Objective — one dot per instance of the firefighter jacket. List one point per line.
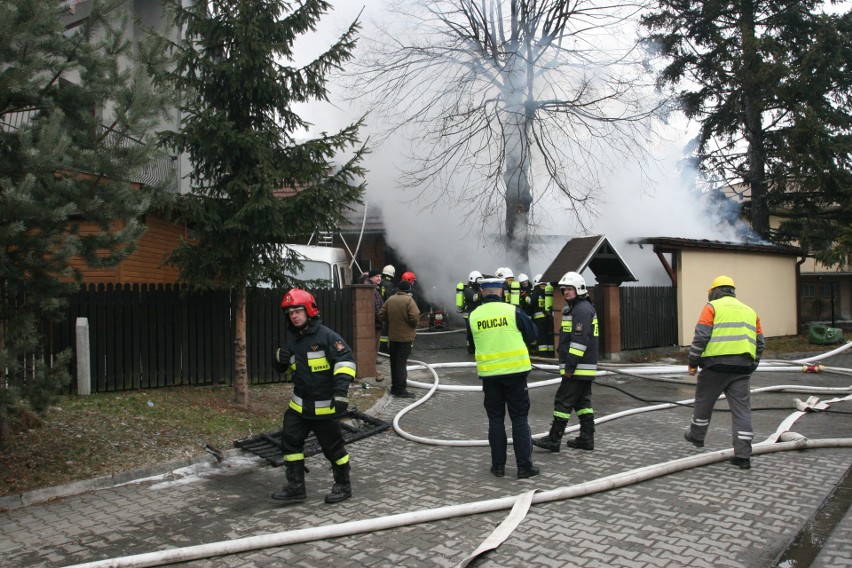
(578, 340)
(321, 365)
(728, 337)
(386, 287)
(537, 301)
(525, 300)
(500, 333)
(401, 313)
(471, 299)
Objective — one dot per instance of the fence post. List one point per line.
(84, 365)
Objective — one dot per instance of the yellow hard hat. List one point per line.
(722, 281)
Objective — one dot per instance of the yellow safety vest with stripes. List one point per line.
(500, 347)
(734, 329)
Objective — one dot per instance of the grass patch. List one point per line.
(82, 437)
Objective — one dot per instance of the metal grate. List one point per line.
(268, 445)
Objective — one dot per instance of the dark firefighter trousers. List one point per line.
(327, 431)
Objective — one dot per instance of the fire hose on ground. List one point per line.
(781, 440)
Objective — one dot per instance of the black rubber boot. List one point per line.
(342, 489)
(294, 491)
(586, 439)
(552, 441)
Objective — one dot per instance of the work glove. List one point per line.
(341, 404)
(282, 359)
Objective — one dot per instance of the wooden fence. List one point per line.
(648, 317)
(146, 336)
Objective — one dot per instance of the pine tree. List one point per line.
(60, 166)
(769, 84)
(239, 130)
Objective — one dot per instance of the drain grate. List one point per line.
(268, 445)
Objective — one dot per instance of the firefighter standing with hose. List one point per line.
(321, 366)
(578, 360)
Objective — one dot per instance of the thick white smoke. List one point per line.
(443, 244)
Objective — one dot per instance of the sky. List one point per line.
(442, 246)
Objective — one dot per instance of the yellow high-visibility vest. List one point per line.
(734, 329)
(500, 347)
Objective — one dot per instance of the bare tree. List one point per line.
(511, 100)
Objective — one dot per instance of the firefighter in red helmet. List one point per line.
(409, 277)
(321, 366)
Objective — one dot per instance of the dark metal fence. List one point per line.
(144, 336)
(648, 317)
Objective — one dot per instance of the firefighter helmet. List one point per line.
(499, 272)
(537, 280)
(523, 278)
(507, 272)
(574, 280)
(408, 277)
(298, 298)
(722, 281)
(474, 277)
(389, 271)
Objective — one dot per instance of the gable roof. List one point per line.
(595, 253)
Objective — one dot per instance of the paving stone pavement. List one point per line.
(713, 515)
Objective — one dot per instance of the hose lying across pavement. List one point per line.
(781, 440)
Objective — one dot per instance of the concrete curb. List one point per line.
(35, 496)
(48, 493)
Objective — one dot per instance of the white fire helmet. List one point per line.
(474, 277)
(523, 278)
(537, 280)
(574, 280)
(498, 273)
(507, 273)
(389, 270)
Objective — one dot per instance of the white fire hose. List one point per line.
(781, 440)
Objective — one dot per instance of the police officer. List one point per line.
(578, 360)
(727, 345)
(321, 366)
(499, 333)
(387, 289)
(468, 298)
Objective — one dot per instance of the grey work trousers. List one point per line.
(735, 386)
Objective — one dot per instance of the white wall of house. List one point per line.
(766, 282)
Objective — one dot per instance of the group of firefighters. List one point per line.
(499, 312)
(534, 298)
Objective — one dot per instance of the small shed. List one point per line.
(766, 278)
(598, 255)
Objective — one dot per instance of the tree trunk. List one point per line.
(516, 147)
(241, 388)
(752, 107)
(4, 376)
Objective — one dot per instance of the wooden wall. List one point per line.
(147, 265)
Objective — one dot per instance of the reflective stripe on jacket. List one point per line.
(499, 343)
